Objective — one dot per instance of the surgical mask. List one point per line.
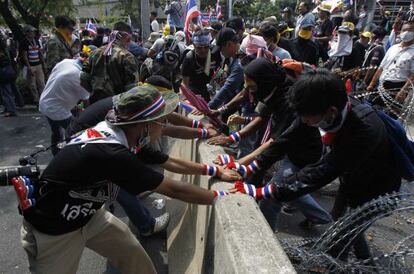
(305, 34)
(407, 36)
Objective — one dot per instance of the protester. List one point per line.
(351, 129)
(287, 17)
(86, 38)
(59, 45)
(175, 11)
(362, 19)
(155, 27)
(324, 30)
(374, 55)
(98, 40)
(69, 216)
(112, 68)
(214, 28)
(228, 42)
(62, 93)
(200, 64)
(285, 37)
(303, 49)
(305, 14)
(7, 76)
(32, 58)
(396, 71)
(272, 36)
(237, 24)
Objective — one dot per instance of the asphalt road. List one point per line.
(21, 136)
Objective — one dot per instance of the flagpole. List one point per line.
(230, 8)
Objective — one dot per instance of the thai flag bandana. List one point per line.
(154, 107)
(114, 36)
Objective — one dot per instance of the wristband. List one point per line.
(265, 192)
(211, 170)
(222, 109)
(244, 171)
(197, 124)
(235, 137)
(225, 159)
(220, 193)
(202, 133)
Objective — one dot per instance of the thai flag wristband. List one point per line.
(225, 159)
(211, 170)
(220, 193)
(245, 171)
(202, 133)
(197, 124)
(265, 192)
(235, 137)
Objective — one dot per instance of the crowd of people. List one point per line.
(282, 92)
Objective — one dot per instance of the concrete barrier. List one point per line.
(233, 237)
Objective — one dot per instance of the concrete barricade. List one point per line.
(231, 238)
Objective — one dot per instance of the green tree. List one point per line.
(32, 12)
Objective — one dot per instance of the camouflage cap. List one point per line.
(141, 104)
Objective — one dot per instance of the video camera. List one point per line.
(28, 167)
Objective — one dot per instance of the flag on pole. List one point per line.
(218, 10)
(191, 12)
(91, 27)
(129, 21)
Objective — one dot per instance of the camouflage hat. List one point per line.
(141, 104)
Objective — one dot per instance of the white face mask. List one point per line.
(407, 36)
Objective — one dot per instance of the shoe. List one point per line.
(288, 209)
(161, 224)
(308, 224)
(9, 114)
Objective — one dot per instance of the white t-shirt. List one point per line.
(398, 64)
(155, 26)
(62, 91)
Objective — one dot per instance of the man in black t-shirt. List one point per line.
(200, 64)
(69, 215)
(324, 29)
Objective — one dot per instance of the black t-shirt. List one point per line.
(76, 183)
(305, 51)
(193, 67)
(375, 54)
(324, 29)
(32, 50)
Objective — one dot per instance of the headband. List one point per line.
(202, 40)
(114, 36)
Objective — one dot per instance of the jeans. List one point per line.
(306, 204)
(137, 213)
(58, 128)
(7, 96)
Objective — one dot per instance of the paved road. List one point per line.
(20, 136)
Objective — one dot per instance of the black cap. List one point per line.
(235, 23)
(225, 35)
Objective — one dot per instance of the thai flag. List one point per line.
(218, 10)
(191, 12)
(91, 27)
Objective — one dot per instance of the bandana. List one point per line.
(115, 36)
(343, 47)
(202, 40)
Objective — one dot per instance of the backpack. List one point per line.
(402, 148)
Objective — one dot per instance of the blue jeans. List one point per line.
(58, 128)
(7, 96)
(306, 204)
(137, 213)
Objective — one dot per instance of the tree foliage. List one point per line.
(32, 12)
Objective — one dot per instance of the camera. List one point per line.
(28, 167)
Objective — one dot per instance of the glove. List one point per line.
(261, 193)
(220, 194)
(224, 159)
(243, 170)
(24, 190)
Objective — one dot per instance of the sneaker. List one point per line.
(308, 224)
(288, 209)
(161, 224)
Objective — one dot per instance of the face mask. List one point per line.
(305, 34)
(407, 36)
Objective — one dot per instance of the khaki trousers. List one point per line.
(36, 81)
(104, 233)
